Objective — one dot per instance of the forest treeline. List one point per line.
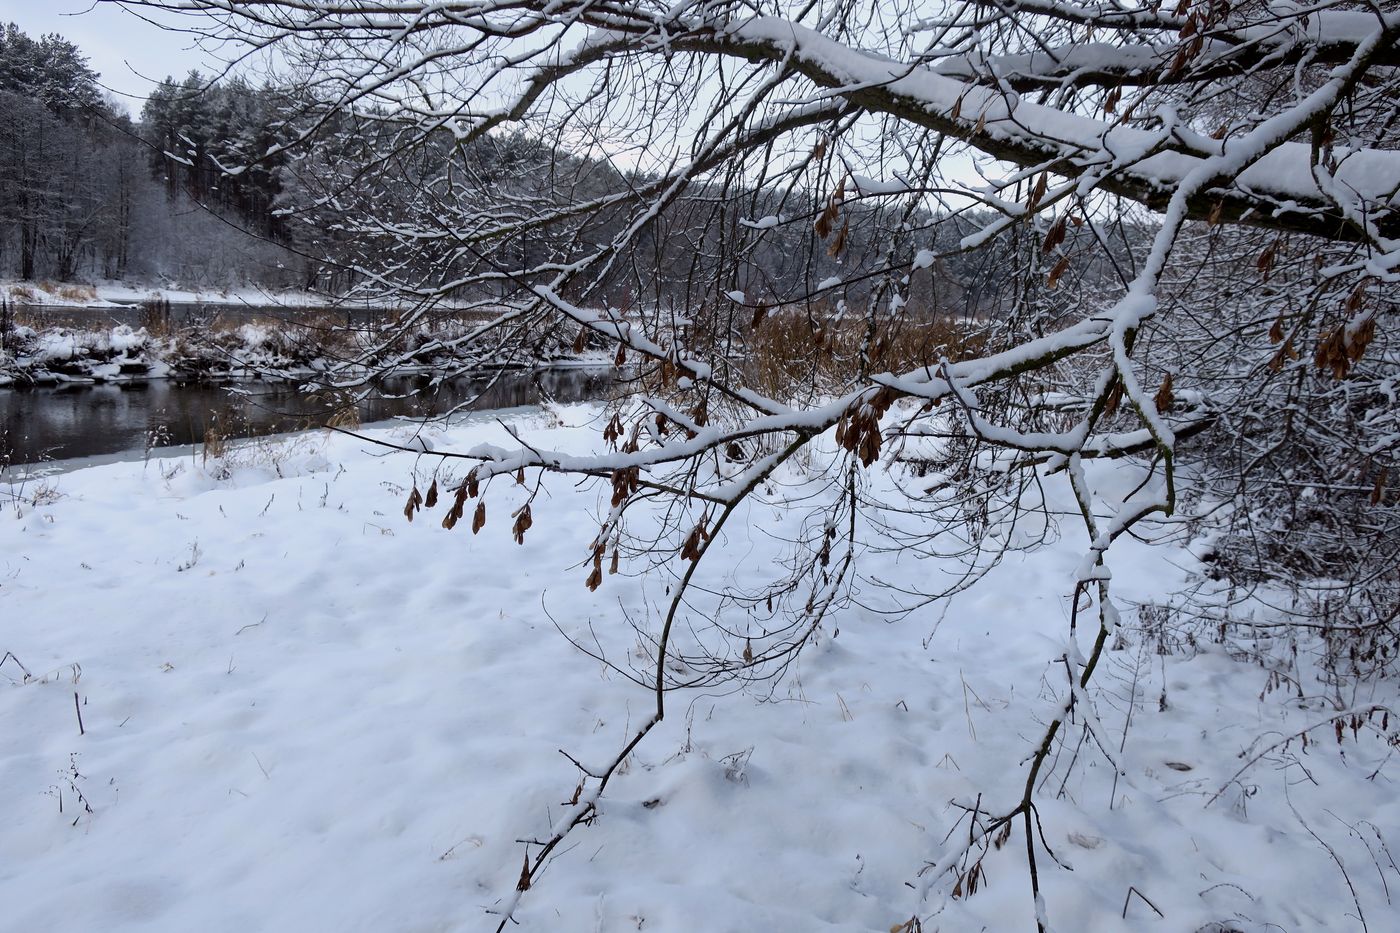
(87, 193)
(211, 186)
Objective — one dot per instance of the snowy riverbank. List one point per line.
(283, 349)
(126, 294)
(300, 712)
(51, 355)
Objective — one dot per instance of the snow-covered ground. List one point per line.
(301, 712)
(112, 294)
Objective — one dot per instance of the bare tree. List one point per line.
(1190, 213)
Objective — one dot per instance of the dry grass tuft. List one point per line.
(77, 293)
(215, 444)
(345, 411)
(792, 353)
(155, 316)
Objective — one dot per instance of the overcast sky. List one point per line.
(131, 55)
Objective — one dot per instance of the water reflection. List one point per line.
(86, 420)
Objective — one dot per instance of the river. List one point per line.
(72, 421)
(192, 314)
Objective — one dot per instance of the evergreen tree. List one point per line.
(51, 70)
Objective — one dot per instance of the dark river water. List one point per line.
(193, 313)
(65, 422)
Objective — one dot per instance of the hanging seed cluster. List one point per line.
(1053, 238)
(416, 500)
(1286, 351)
(858, 431)
(613, 430)
(599, 548)
(1115, 398)
(826, 220)
(1343, 347)
(523, 521)
(1165, 399)
(625, 482)
(469, 488)
(414, 503)
(695, 541)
